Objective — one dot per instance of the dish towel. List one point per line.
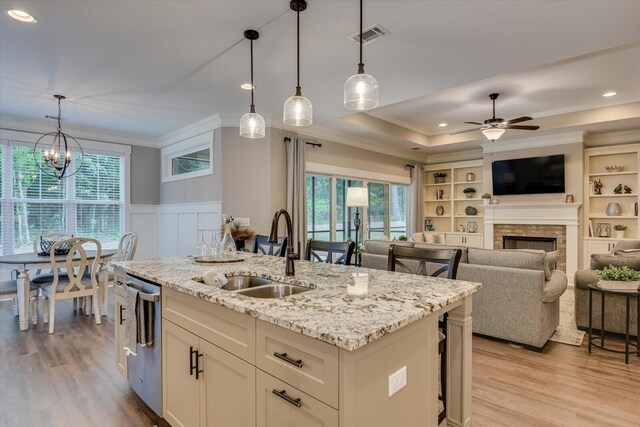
(130, 321)
(145, 316)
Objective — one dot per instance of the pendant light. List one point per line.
(361, 89)
(298, 110)
(251, 123)
(55, 161)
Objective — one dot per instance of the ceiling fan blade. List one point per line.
(523, 127)
(520, 119)
(464, 131)
(474, 123)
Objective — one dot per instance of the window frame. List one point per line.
(196, 143)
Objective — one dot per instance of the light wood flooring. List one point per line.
(69, 378)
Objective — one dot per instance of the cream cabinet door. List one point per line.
(474, 241)
(120, 354)
(280, 405)
(181, 392)
(227, 389)
(455, 240)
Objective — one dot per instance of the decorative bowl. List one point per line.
(615, 168)
(45, 247)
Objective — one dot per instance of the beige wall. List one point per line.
(573, 172)
(145, 175)
(196, 190)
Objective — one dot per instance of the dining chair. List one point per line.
(75, 283)
(39, 277)
(9, 289)
(261, 245)
(330, 252)
(435, 263)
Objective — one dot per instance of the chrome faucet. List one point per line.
(290, 255)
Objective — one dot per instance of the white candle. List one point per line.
(360, 284)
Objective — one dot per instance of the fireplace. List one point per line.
(548, 244)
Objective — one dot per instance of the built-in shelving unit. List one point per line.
(595, 206)
(454, 200)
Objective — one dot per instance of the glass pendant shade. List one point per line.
(252, 126)
(361, 92)
(493, 134)
(298, 111)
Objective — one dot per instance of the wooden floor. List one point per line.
(69, 379)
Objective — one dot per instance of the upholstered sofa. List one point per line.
(519, 299)
(624, 253)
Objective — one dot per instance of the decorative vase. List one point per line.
(614, 209)
(619, 285)
(228, 245)
(472, 226)
(486, 201)
(620, 234)
(603, 230)
(439, 210)
(471, 177)
(470, 211)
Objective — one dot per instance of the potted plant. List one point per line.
(620, 230)
(439, 177)
(619, 278)
(469, 192)
(486, 198)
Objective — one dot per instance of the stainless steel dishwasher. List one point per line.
(145, 369)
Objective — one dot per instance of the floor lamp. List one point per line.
(357, 197)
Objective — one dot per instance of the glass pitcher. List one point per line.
(228, 245)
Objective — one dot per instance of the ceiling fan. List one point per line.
(493, 128)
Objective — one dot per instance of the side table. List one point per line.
(628, 295)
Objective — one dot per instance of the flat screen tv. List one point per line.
(531, 175)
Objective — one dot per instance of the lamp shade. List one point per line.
(252, 126)
(493, 134)
(357, 197)
(361, 92)
(298, 111)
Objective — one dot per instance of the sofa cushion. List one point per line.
(600, 261)
(418, 237)
(524, 259)
(626, 244)
(552, 260)
(463, 258)
(554, 287)
(381, 247)
(585, 277)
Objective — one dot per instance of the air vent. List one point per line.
(370, 34)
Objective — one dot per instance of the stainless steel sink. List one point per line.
(274, 290)
(235, 283)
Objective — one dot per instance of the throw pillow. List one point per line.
(552, 260)
(600, 261)
(435, 238)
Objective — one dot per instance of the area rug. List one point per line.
(567, 333)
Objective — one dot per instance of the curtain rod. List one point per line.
(313, 144)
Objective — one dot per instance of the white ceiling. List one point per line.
(151, 67)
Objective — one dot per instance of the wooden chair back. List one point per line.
(330, 252)
(448, 258)
(261, 245)
(127, 247)
(75, 269)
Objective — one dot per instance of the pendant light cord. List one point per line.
(59, 116)
(298, 88)
(253, 107)
(361, 64)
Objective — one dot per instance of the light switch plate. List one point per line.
(397, 381)
(243, 222)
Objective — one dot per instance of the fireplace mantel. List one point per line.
(566, 214)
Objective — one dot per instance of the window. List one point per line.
(89, 203)
(329, 219)
(190, 158)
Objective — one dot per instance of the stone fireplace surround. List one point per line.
(559, 220)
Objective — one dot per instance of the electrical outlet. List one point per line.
(397, 381)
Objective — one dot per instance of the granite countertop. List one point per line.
(327, 312)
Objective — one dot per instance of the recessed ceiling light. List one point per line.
(442, 125)
(21, 16)
(608, 94)
(247, 86)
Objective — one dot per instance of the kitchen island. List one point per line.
(322, 357)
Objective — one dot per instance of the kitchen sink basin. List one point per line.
(273, 290)
(235, 283)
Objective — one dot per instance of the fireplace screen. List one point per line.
(548, 244)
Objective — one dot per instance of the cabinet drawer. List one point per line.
(229, 330)
(283, 411)
(277, 350)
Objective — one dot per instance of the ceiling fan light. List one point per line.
(252, 126)
(493, 134)
(298, 111)
(361, 92)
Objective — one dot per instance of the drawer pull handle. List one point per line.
(283, 395)
(283, 356)
(198, 370)
(192, 366)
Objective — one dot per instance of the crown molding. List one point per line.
(39, 126)
(612, 138)
(534, 142)
(456, 156)
(192, 129)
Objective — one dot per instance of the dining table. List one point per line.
(29, 261)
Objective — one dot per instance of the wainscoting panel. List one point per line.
(179, 225)
(143, 220)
